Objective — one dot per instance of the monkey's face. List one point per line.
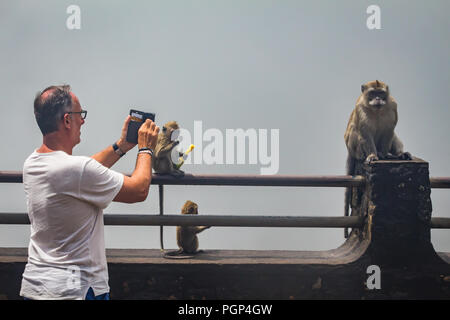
(189, 208)
(375, 93)
(377, 97)
(170, 131)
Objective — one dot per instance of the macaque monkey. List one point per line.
(162, 162)
(187, 239)
(370, 131)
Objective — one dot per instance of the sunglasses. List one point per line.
(82, 113)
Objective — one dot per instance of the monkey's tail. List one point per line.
(348, 190)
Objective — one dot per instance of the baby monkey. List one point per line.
(162, 162)
(187, 239)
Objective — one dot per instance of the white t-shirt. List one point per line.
(66, 196)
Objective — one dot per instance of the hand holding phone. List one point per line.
(136, 121)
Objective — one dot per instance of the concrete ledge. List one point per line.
(154, 256)
(349, 252)
(235, 274)
(216, 274)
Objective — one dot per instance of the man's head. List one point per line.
(55, 109)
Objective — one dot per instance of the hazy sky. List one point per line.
(295, 66)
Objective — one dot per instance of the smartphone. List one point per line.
(137, 119)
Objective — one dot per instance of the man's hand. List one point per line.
(123, 144)
(148, 135)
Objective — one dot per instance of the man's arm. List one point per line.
(136, 187)
(107, 156)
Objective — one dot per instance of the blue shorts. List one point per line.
(90, 295)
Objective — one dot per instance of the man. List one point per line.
(65, 198)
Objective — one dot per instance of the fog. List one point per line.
(292, 66)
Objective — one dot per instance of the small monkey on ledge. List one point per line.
(187, 239)
(370, 132)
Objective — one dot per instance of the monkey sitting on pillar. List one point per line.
(162, 162)
(187, 239)
(370, 132)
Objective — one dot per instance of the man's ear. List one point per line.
(66, 120)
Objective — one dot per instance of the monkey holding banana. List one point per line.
(370, 131)
(162, 162)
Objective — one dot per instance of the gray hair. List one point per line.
(49, 109)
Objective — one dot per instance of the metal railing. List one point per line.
(232, 220)
(251, 180)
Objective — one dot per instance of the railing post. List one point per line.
(161, 212)
(397, 206)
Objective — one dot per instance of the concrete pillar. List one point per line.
(397, 206)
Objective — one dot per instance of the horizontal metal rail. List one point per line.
(257, 180)
(250, 180)
(440, 223)
(225, 221)
(234, 180)
(235, 221)
(440, 182)
(11, 176)
(210, 220)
